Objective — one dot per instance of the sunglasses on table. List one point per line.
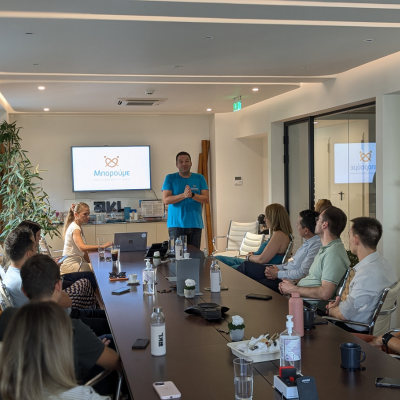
(119, 275)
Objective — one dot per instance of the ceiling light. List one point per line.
(35, 64)
(177, 66)
(41, 87)
(28, 33)
(315, 122)
(368, 40)
(255, 89)
(208, 37)
(46, 109)
(208, 109)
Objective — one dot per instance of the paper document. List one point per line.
(152, 208)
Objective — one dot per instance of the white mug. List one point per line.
(132, 278)
(186, 255)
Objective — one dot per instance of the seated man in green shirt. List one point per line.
(331, 262)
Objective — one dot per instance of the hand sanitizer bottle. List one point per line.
(157, 334)
(148, 279)
(290, 346)
(178, 249)
(215, 277)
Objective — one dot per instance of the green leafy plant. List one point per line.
(353, 259)
(21, 191)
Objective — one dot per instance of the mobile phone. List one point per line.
(208, 289)
(166, 390)
(388, 382)
(258, 296)
(121, 290)
(62, 259)
(140, 343)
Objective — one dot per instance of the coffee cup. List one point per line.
(186, 255)
(351, 355)
(132, 278)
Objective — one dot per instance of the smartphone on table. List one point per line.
(121, 291)
(388, 382)
(258, 296)
(140, 344)
(166, 390)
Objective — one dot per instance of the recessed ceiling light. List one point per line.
(208, 37)
(41, 87)
(28, 33)
(35, 64)
(46, 109)
(305, 67)
(177, 66)
(208, 109)
(368, 40)
(255, 89)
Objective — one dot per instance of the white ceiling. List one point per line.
(89, 53)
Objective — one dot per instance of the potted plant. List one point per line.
(156, 258)
(190, 286)
(21, 193)
(236, 328)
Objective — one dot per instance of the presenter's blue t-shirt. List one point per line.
(186, 213)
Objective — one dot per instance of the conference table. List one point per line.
(198, 359)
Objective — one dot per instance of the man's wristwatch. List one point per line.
(386, 337)
(248, 257)
(193, 193)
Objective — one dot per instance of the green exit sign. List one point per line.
(237, 105)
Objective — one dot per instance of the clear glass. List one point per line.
(101, 248)
(171, 246)
(345, 162)
(243, 370)
(298, 176)
(184, 243)
(115, 250)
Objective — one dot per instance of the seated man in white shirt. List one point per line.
(298, 266)
(373, 275)
(19, 245)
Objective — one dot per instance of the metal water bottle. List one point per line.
(215, 277)
(157, 328)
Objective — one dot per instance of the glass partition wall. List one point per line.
(333, 157)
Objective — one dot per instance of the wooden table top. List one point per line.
(198, 359)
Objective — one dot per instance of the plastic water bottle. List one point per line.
(148, 279)
(157, 334)
(296, 309)
(290, 346)
(178, 249)
(215, 277)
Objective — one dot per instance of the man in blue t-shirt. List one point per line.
(184, 192)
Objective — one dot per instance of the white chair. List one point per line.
(289, 249)
(380, 322)
(235, 236)
(250, 243)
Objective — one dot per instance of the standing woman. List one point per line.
(37, 360)
(74, 240)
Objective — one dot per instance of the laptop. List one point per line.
(132, 241)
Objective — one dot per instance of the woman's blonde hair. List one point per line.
(37, 355)
(278, 218)
(322, 204)
(75, 208)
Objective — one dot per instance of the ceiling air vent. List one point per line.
(140, 102)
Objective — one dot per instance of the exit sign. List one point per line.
(237, 105)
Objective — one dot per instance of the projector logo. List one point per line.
(365, 157)
(111, 162)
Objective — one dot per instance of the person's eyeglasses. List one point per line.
(119, 275)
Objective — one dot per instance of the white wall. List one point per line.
(49, 139)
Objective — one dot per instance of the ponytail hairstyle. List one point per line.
(75, 208)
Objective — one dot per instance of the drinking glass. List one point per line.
(100, 247)
(171, 247)
(115, 252)
(243, 368)
(184, 243)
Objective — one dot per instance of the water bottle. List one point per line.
(148, 279)
(290, 347)
(296, 309)
(215, 277)
(178, 249)
(157, 328)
